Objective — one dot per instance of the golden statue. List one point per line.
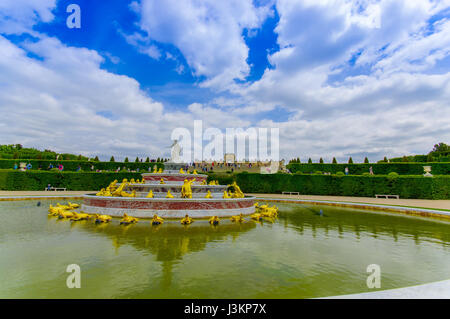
(156, 220)
(169, 195)
(120, 189)
(150, 194)
(214, 220)
(187, 220)
(237, 191)
(186, 190)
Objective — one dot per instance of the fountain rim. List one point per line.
(174, 174)
(196, 199)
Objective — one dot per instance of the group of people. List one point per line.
(29, 166)
(370, 170)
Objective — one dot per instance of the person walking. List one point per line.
(346, 170)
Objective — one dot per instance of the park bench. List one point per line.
(56, 189)
(290, 193)
(387, 196)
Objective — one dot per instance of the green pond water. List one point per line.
(300, 255)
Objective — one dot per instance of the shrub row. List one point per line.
(437, 187)
(73, 165)
(437, 168)
(13, 180)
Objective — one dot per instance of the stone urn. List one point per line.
(427, 170)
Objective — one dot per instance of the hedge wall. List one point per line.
(437, 168)
(73, 165)
(437, 187)
(38, 180)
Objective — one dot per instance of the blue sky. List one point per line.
(105, 22)
(338, 78)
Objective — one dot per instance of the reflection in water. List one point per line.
(353, 221)
(170, 241)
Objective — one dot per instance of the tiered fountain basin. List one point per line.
(170, 208)
(175, 208)
(160, 190)
(173, 177)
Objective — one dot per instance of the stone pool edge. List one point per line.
(433, 290)
(424, 212)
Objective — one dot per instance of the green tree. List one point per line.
(366, 160)
(350, 160)
(309, 160)
(136, 160)
(298, 160)
(112, 159)
(147, 160)
(96, 159)
(441, 147)
(334, 160)
(405, 159)
(385, 159)
(126, 160)
(321, 160)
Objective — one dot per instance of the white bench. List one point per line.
(55, 189)
(290, 193)
(387, 196)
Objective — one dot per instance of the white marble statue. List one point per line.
(175, 152)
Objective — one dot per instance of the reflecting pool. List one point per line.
(302, 254)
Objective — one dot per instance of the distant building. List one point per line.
(229, 158)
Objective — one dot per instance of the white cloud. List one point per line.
(18, 16)
(393, 104)
(66, 102)
(208, 33)
(395, 107)
(56, 101)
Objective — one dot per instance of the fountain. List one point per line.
(170, 194)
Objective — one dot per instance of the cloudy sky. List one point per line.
(338, 78)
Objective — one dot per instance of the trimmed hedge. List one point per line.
(13, 180)
(73, 165)
(437, 187)
(437, 168)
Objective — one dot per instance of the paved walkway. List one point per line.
(435, 290)
(43, 193)
(424, 203)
